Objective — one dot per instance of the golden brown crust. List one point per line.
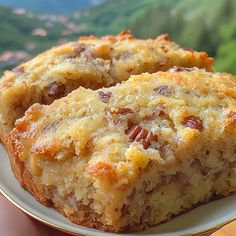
(27, 181)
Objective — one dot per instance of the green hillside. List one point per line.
(206, 25)
(52, 6)
(114, 16)
(202, 25)
(16, 32)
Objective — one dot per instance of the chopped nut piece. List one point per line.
(180, 69)
(133, 132)
(142, 135)
(146, 144)
(151, 137)
(163, 115)
(193, 122)
(138, 134)
(78, 48)
(56, 90)
(156, 112)
(167, 152)
(232, 116)
(122, 110)
(150, 116)
(104, 96)
(164, 90)
(118, 114)
(124, 55)
(18, 70)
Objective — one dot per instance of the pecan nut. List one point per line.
(141, 135)
(56, 90)
(193, 122)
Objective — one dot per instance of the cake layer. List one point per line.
(90, 62)
(134, 155)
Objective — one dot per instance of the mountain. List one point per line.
(205, 25)
(114, 16)
(51, 6)
(26, 34)
(17, 31)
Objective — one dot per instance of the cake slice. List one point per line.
(90, 62)
(134, 155)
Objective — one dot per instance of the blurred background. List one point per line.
(28, 27)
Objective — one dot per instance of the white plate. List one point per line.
(201, 219)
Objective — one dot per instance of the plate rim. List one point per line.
(58, 227)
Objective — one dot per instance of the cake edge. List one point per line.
(30, 183)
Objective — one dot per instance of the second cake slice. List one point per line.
(131, 156)
(90, 62)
